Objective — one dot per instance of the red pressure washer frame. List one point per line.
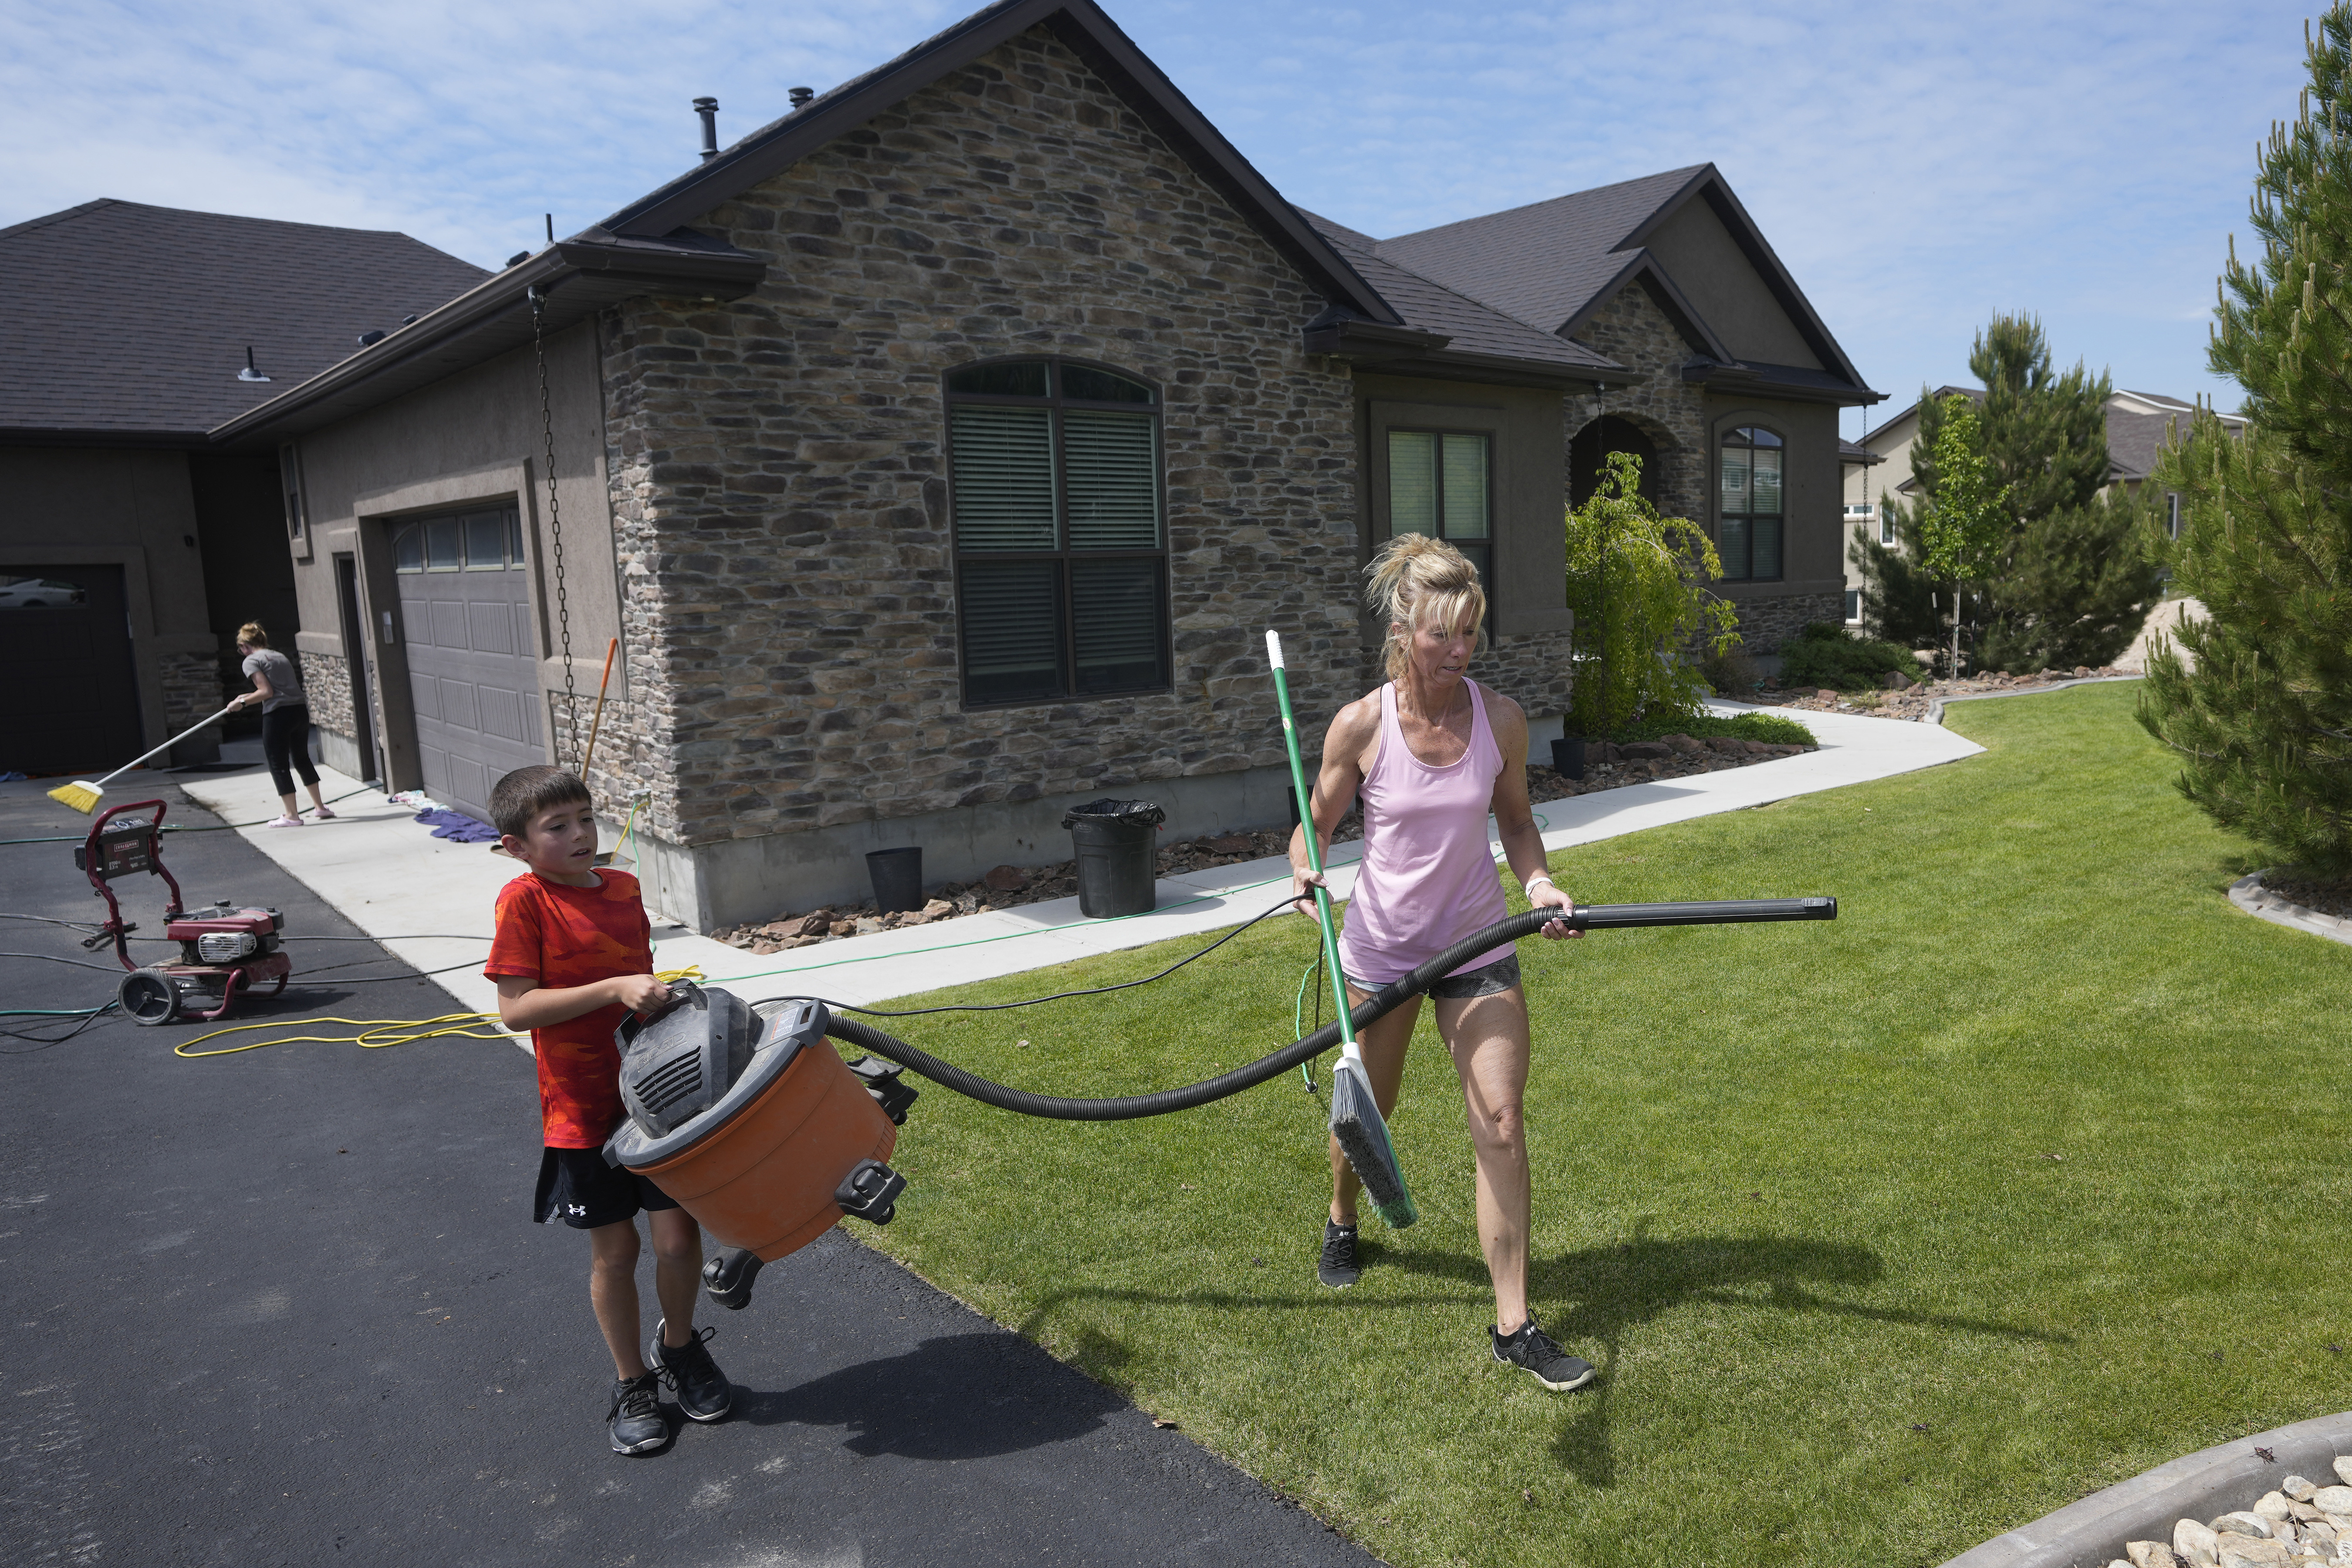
(135, 846)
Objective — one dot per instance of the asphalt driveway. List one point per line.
(288, 1307)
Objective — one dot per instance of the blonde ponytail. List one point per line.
(252, 635)
(1416, 581)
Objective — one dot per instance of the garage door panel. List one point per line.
(490, 627)
(474, 681)
(502, 713)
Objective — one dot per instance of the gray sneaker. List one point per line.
(1532, 1351)
(1338, 1267)
(703, 1391)
(635, 1418)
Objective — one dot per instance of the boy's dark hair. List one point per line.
(525, 792)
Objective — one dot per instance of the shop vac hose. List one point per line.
(1590, 917)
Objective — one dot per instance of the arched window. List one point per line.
(1749, 537)
(1060, 550)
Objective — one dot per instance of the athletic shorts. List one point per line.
(1499, 975)
(576, 1186)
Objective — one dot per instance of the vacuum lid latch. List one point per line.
(881, 1079)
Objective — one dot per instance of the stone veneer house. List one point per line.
(938, 454)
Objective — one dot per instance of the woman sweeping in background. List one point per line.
(1432, 754)
(285, 722)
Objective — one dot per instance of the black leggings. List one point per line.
(286, 737)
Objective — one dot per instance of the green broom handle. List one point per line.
(1314, 847)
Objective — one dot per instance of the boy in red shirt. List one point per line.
(573, 956)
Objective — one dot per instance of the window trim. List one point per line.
(1726, 430)
(1062, 555)
(1487, 571)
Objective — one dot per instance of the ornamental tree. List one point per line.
(1637, 583)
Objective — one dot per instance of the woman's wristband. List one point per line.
(1530, 885)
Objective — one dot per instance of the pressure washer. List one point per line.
(223, 947)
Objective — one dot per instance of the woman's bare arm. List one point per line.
(1354, 731)
(1514, 815)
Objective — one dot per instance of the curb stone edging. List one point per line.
(2197, 1486)
(2249, 894)
(1935, 707)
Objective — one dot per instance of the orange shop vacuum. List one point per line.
(755, 1125)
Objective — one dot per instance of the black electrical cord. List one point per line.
(53, 958)
(43, 1042)
(1595, 917)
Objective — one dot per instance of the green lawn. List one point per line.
(1795, 1186)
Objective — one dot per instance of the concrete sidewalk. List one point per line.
(430, 900)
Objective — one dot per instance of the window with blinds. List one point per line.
(1747, 534)
(1061, 549)
(1438, 485)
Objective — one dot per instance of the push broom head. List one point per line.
(1364, 1138)
(82, 794)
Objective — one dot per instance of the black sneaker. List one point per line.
(703, 1391)
(1532, 1350)
(726, 1277)
(635, 1419)
(1338, 1267)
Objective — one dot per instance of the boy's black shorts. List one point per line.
(576, 1186)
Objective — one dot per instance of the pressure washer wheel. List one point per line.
(149, 996)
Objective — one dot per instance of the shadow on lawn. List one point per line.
(1617, 1288)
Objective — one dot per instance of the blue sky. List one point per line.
(1917, 167)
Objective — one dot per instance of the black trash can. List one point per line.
(1567, 756)
(1114, 841)
(897, 878)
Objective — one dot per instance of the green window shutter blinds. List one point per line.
(1464, 472)
(1113, 474)
(1114, 621)
(1011, 630)
(1004, 468)
(1413, 482)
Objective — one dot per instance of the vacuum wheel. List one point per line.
(149, 996)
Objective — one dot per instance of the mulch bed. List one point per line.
(1607, 766)
(1911, 702)
(2325, 898)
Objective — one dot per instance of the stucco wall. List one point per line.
(1724, 286)
(471, 440)
(131, 508)
(779, 479)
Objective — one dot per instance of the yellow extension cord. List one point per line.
(375, 1034)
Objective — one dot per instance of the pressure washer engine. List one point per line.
(753, 1122)
(223, 949)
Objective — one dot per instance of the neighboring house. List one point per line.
(938, 454)
(126, 336)
(2140, 425)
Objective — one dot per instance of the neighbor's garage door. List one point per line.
(473, 672)
(71, 702)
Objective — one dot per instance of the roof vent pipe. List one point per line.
(248, 372)
(709, 109)
(801, 95)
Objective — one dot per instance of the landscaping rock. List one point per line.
(2151, 1555)
(816, 924)
(1681, 745)
(2272, 1506)
(2297, 1489)
(1645, 751)
(1725, 743)
(2251, 1552)
(1005, 879)
(1897, 681)
(938, 909)
(2195, 1541)
(2333, 1499)
(2342, 1471)
(865, 925)
(2243, 1522)
(1233, 844)
(842, 927)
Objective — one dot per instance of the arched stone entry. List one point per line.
(1591, 446)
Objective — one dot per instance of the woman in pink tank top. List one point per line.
(1432, 755)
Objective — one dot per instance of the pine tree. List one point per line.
(2262, 720)
(2068, 586)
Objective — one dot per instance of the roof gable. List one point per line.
(122, 321)
(1080, 25)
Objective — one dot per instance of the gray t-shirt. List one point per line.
(284, 685)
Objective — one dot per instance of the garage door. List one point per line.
(72, 705)
(473, 673)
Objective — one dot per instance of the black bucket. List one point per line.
(1567, 756)
(897, 875)
(1114, 844)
